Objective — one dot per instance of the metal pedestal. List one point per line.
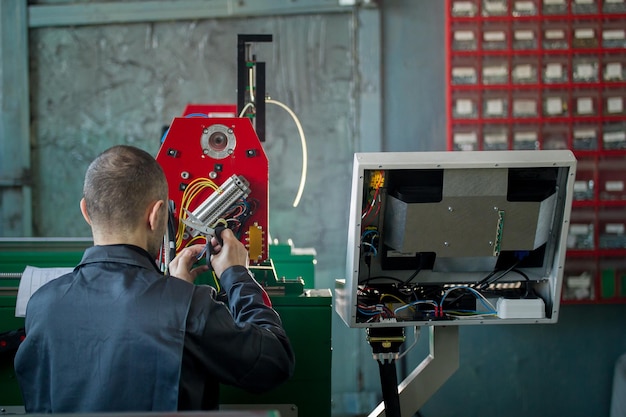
(430, 374)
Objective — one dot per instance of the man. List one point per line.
(118, 335)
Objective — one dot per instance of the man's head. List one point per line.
(124, 197)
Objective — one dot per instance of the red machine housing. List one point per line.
(199, 149)
(211, 110)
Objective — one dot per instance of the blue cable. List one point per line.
(189, 115)
(474, 292)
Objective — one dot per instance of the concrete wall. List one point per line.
(95, 86)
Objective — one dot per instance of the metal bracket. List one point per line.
(247, 63)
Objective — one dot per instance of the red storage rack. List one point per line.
(550, 74)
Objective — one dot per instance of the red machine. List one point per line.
(215, 166)
(217, 172)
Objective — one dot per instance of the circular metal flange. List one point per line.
(218, 141)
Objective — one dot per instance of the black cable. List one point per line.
(521, 273)
(527, 281)
(413, 275)
(368, 279)
(488, 280)
(172, 226)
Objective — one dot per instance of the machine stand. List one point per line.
(427, 377)
(385, 343)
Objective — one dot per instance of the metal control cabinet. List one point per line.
(462, 219)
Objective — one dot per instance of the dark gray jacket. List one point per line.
(117, 335)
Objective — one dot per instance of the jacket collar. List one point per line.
(124, 254)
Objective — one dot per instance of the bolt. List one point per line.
(205, 131)
(184, 175)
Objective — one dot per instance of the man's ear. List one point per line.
(154, 214)
(83, 210)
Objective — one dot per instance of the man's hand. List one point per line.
(182, 265)
(230, 253)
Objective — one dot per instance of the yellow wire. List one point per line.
(192, 190)
(217, 283)
(392, 296)
(395, 298)
(222, 221)
(195, 188)
(215, 280)
(193, 240)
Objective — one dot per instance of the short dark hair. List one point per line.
(119, 185)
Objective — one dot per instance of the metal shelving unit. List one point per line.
(550, 74)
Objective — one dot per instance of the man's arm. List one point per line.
(244, 343)
(249, 307)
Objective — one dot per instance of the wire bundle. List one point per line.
(430, 307)
(238, 214)
(377, 181)
(191, 192)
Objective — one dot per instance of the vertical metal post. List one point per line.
(260, 101)
(430, 374)
(243, 42)
(15, 176)
(389, 385)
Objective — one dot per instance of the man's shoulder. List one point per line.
(49, 291)
(56, 283)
